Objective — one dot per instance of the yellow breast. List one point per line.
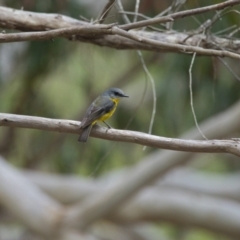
(109, 114)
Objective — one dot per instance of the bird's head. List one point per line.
(115, 93)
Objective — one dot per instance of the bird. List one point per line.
(100, 109)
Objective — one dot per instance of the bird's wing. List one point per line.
(96, 110)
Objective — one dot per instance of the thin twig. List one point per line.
(133, 13)
(181, 14)
(229, 68)
(149, 75)
(120, 6)
(226, 30)
(105, 11)
(191, 97)
(234, 32)
(136, 10)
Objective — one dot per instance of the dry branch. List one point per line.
(176, 47)
(85, 31)
(144, 173)
(148, 170)
(101, 35)
(208, 146)
(99, 206)
(181, 14)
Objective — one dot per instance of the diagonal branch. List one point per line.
(181, 14)
(32, 205)
(179, 47)
(162, 202)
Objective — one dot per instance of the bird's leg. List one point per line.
(109, 127)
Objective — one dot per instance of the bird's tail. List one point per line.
(85, 133)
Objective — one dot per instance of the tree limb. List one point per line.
(183, 208)
(148, 170)
(207, 146)
(22, 198)
(165, 202)
(72, 189)
(100, 35)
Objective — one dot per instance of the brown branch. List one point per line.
(208, 146)
(92, 31)
(11, 18)
(105, 11)
(155, 166)
(143, 173)
(178, 47)
(95, 34)
(86, 31)
(181, 14)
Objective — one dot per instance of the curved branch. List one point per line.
(208, 146)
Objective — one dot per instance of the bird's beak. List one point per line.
(125, 96)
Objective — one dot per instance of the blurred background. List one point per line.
(60, 78)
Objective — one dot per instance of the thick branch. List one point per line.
(159, 203)
(177, 47)
(37, 210)
(168, 41)
(23, 199)
(209, 146)
(73, 189)
(222, 216)
(148, 170)
(86, 31)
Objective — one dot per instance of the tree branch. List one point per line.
(183, 208)
(86, 31)
(32, 205)
(159, 203)
(72, 189)
(178, 47)
(97, 34)
(208, 146)
(181, 14)
(155, 166)
(37, 210)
